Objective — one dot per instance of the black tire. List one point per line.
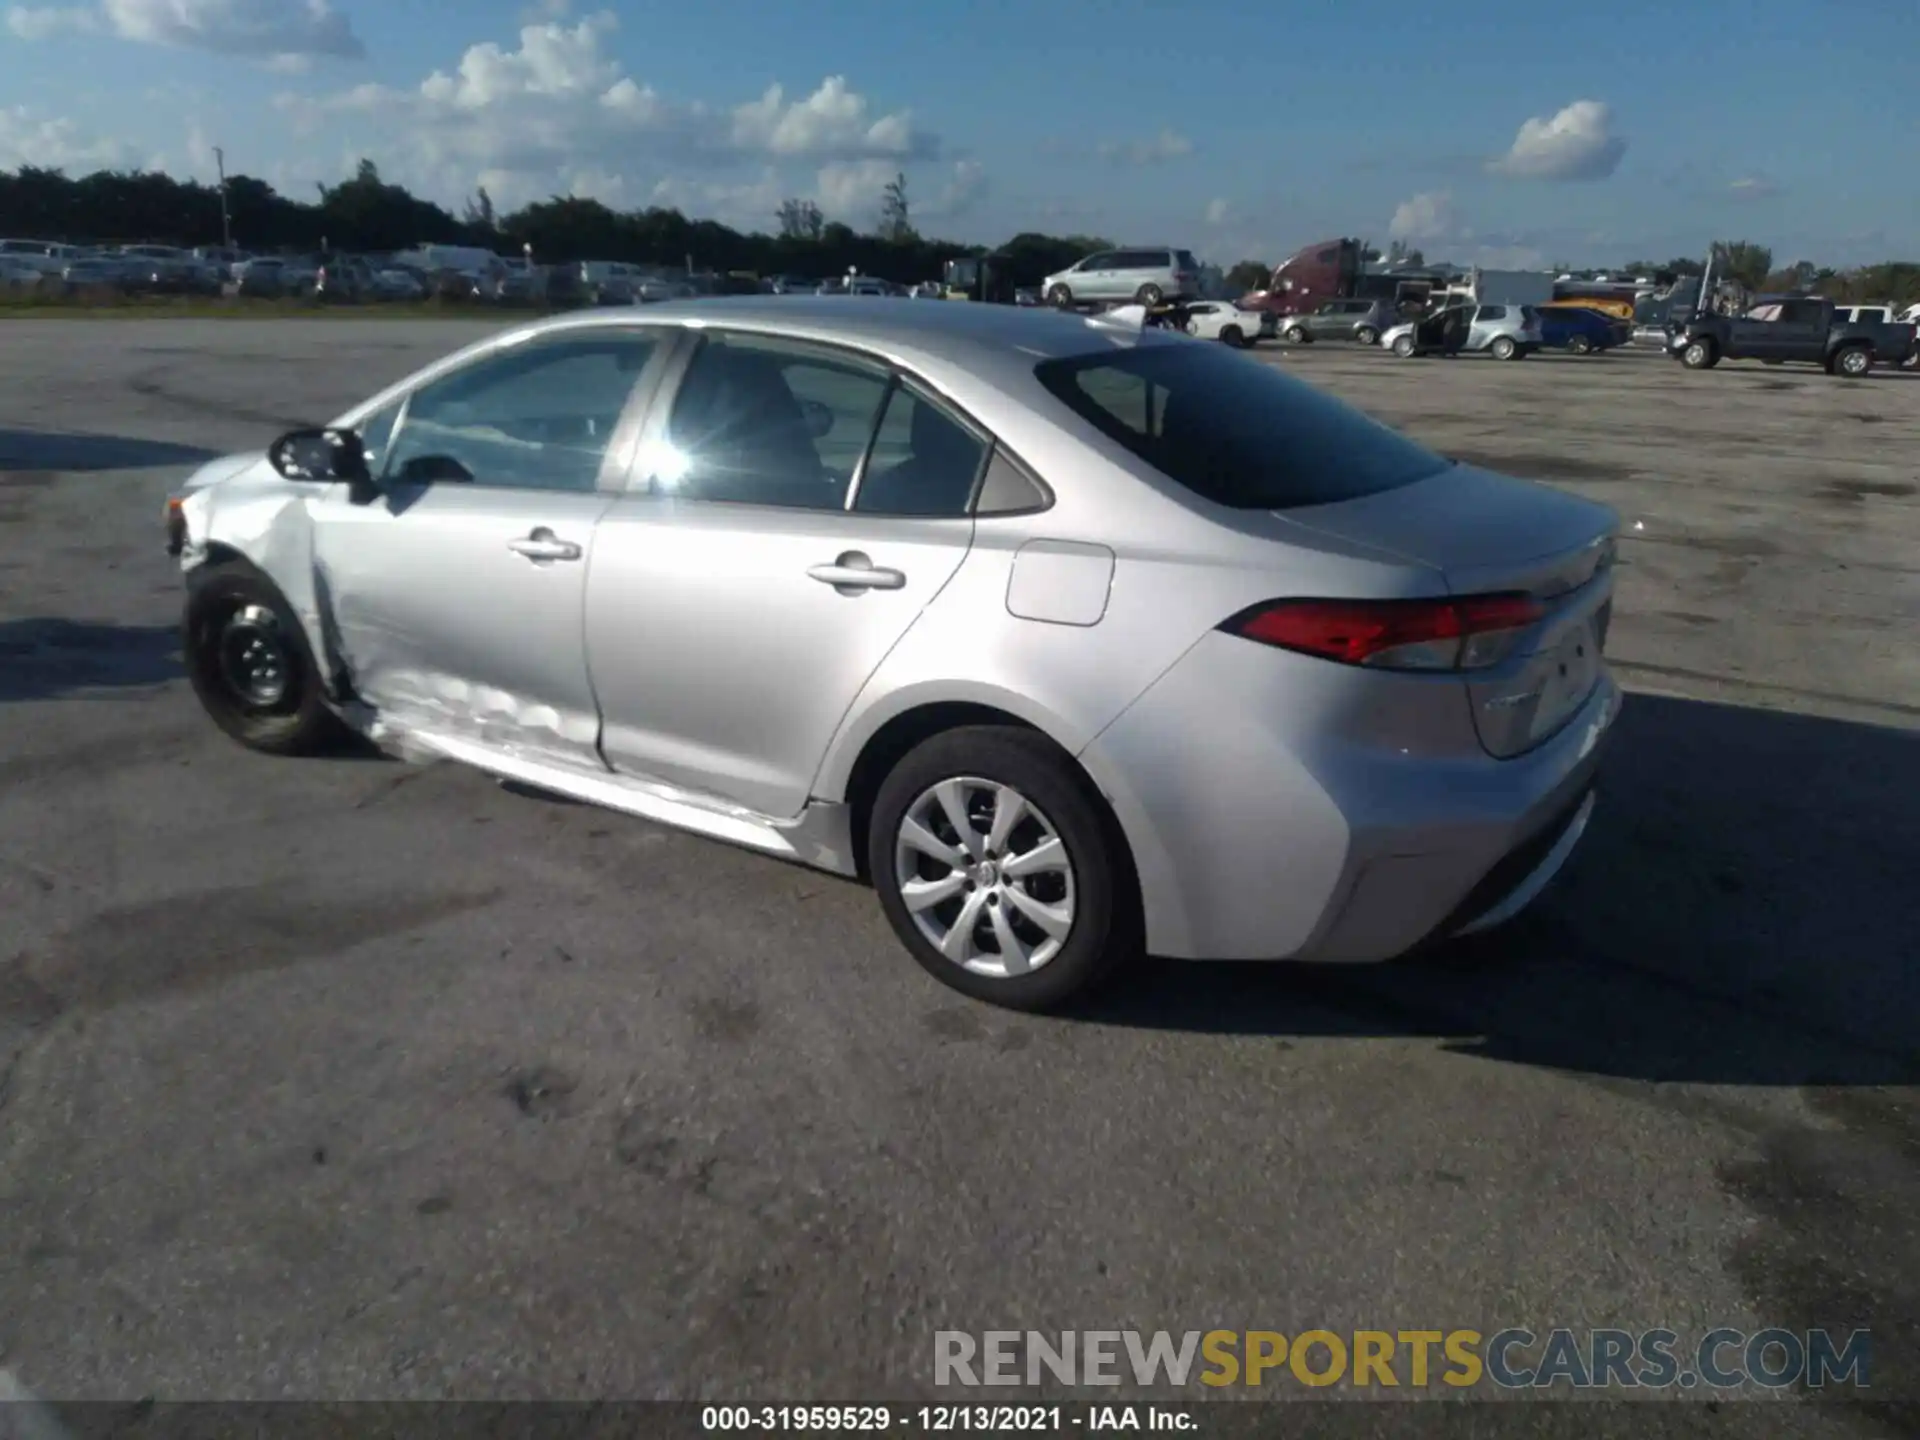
(1060, 297)
(1367, 335)
(1852, 362)
(1149, 295)
(233, 607)
(1403, 346)
(1698, 355)
(1105, 929)
(1504, 348)
(1295, 335)
(1580, 345)
(1232, 335)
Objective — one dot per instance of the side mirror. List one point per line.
(324, 456)
(819, 418)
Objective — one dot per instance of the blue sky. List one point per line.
(1488, 131)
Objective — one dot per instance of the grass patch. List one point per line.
(208, 307)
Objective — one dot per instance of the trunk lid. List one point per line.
(1488, 533)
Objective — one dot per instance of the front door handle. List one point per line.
(543, 544)
(853, 572)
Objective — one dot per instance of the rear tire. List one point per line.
(1233, 336)
(1086, 890)
(1295, 335)
(1367, 335)
(1503, 348)
(1149, 295)
(1580, 345)
(1403, 346)
(1852, 362)
(250, 665)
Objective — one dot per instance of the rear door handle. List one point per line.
(543, 544)
(853, 572)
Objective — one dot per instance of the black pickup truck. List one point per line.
(1799, 331)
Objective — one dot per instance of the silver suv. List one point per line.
(1149, 274)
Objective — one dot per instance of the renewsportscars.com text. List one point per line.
(1416, 1359)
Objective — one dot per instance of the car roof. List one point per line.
(986, 339)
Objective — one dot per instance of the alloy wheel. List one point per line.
(986, 877)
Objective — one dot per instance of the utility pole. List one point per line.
(226, 221)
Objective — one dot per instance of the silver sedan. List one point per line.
(1072, 639)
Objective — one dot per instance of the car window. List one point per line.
(376, 432)
(766, 422)
(923, 461)
(1185, 260)
(1232, 430)
(532, 417)
(1103, 260)
(1492, 312)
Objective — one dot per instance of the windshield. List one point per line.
(1233, 430)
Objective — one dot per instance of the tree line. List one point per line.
(366, 213)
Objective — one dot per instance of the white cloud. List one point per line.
(43, 22)
(1576, 144)
(963, 188)
(850, 192)
(1753, 187)
(1427, 216)
(1167, 145)
(831, 120)
(26, 139)
(558, 107)
(255, 29)
(1217, 212)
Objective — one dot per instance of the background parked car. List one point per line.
(262, 276)
(1225, 321)
(1363, 321)
(1148, 274)
(1583, 331)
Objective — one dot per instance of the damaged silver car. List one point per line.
(1073, 638)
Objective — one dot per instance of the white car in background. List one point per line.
(1225, 321)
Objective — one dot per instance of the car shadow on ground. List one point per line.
(41, 450)
(48, 658)
(1745, 910)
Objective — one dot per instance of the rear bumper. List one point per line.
(1333, 815)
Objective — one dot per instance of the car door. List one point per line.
(1488, 322)
(1094, 280)
(792, 511)
(455, 598)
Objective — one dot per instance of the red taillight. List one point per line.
(1467, 633)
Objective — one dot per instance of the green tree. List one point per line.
(1248, 275)
(896, 218)
(800, 220)
(1744, 261)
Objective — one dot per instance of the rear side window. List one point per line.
(1493, 312)
(1232, 430)
(1184, 259)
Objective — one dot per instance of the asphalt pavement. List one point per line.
(343, 1078)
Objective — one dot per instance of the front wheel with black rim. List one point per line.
(1233, 336)
(1000, 871)
(249, 663)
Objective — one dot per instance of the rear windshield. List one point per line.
(1234, 430)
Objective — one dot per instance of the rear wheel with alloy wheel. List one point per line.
(999, 869)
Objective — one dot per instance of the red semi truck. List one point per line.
(1336, 270)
